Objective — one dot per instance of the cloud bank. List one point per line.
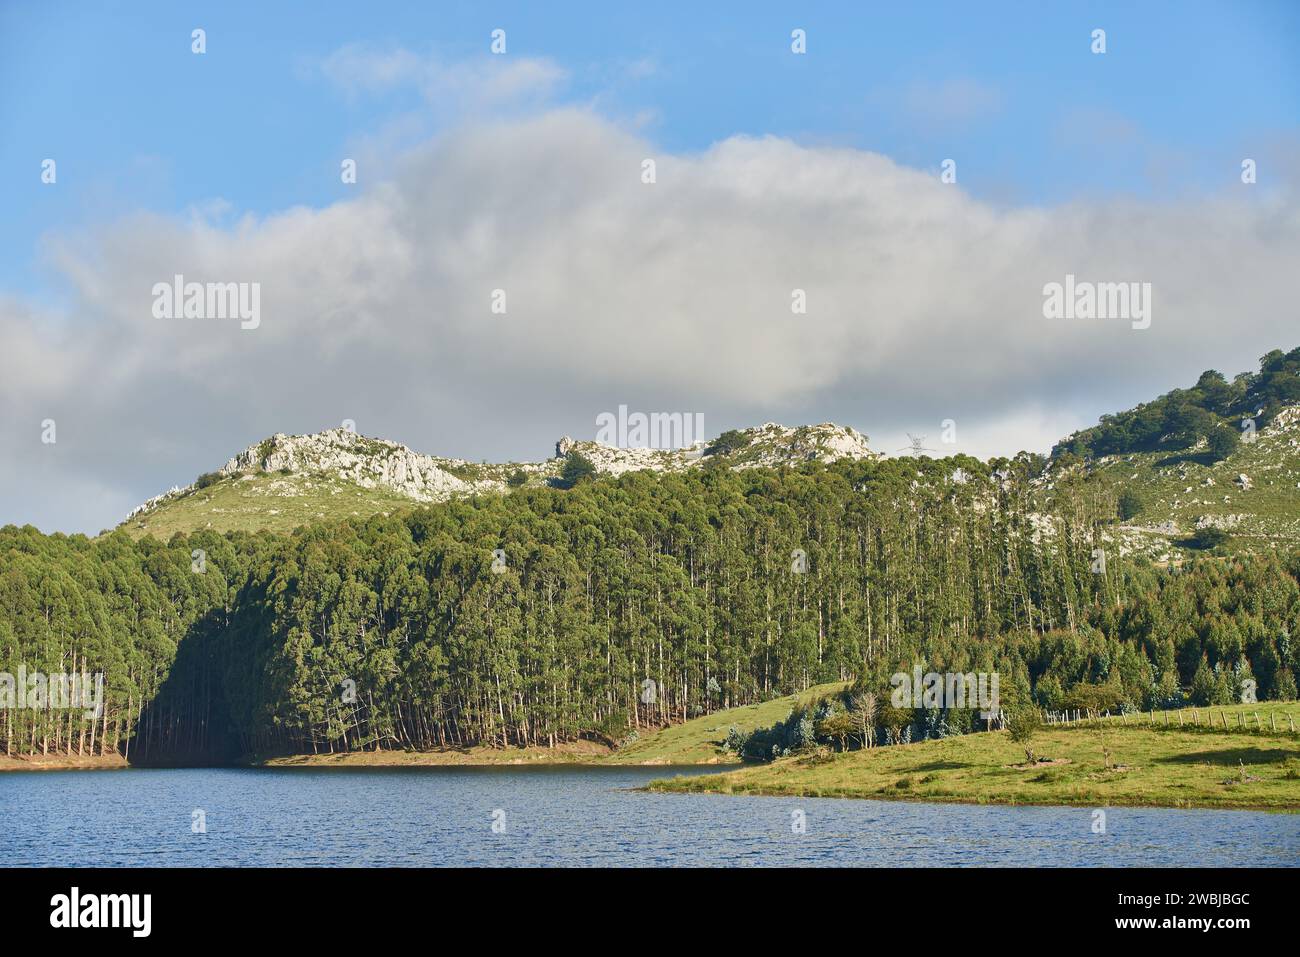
(922, 304)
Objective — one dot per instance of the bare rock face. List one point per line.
(767, 445)
(366, 462)
(1225, 522)
(776, 444)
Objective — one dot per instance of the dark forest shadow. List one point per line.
(188, 723)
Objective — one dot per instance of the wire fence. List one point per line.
(1208, 718)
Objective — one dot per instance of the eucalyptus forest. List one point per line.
(618, 604)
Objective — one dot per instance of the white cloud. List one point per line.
(923, 304)
(487, 81)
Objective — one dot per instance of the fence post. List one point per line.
(1272, 725)
(1259, 725)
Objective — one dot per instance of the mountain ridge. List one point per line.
(326, 463)
(1175, 466)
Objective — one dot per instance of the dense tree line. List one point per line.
(548, 614)
(1211, 410)
(1213, 633)
(126, 610)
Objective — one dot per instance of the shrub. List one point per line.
(577, 468)
(1285, 689)
(728, 442)
(836, 726)
(1086, 697)
(1023, 722)
(1129, 505)
(1223, 442)
(735, 741)
(1048, 692)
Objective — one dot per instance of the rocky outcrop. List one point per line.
(769, 444)
(369, 463)
(175, 491)
(298, 461)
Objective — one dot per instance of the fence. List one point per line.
(1214, 718)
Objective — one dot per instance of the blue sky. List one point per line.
(1011, 91)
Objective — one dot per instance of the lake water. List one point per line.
(571, 816)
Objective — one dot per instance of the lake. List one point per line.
(571, 816)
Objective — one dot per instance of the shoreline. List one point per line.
(582, 753)
(731, 781)
(63, 762)
(667, 786)
(1098, 767)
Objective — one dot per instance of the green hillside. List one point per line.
(277, 503)
(1178, 493)
(1214, 413)
(1220, 454)
(700, 740)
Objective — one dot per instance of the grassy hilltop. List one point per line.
(288, 481)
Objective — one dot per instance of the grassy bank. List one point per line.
(1252, 763)
(1107, 764)
(699, 741)
(60, 762)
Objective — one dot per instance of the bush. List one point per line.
(1023, 722)
(577, 468)
(1223, 442)
(805, 732)
(735, 741)
(836, 726)
(1285, 689)
(728, 442)
(517, 478)
(207, 479)
(1128, 505)
(1086, 697)
(1048, 692)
